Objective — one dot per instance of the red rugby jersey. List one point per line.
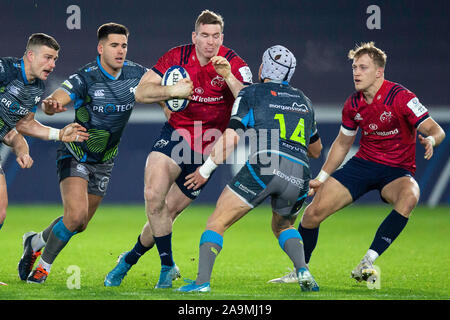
(212, 101)
(389, 125)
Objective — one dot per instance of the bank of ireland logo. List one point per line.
(373, 126)
(199, 90)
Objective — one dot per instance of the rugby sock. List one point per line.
(164, 245)
(309, 237)
(138, 250)
(291, 242)
(56, 241)
(1, 225)
(388, 231)
(211, 244)
(46, 232)
(37, 242)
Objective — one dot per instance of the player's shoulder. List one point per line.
(88, 69)
(11, 62)
(133, 69)
(229, 54)
(182, 52)
(353, 101)
(396, 92)
(10, 65)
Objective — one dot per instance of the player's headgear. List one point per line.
(278, 64)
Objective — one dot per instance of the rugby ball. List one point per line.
(171, 77)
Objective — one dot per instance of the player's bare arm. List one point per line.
(20, 148)
(150, 90)
(56, 102)
(220, 152)
(339, 149)
(73, 132)
(314, 149)
(435, 135)
(223, 68)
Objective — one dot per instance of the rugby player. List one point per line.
(278, 169)
(102, 93)
(217, 74)
(389, 116)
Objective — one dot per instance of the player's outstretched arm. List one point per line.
(435, 135)
(73, 132)
(223, 68)
(220, 152)
(339, 149)
(150, 90)
(56, 102)
(20, 148)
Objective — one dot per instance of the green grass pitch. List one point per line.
(415, 267)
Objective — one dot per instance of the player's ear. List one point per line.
(100, 48)
(380, 72)
(194, 36)
(30, 55)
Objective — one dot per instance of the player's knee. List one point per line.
(154, 201)
(312, 216)
(409, 201)
(77, 222)
(217, 225)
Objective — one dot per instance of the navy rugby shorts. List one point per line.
(175, 147)
(360, 176)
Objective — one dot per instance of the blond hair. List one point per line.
(378, 56)
(209, 17)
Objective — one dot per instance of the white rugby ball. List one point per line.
(171, 77)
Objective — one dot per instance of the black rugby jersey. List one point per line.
(103, 105)
(18, 96)
(282, 118)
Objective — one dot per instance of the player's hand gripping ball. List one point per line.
(171, 77)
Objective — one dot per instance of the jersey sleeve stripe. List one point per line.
(188, 54)
(230, 55)
(394, 94)
(355, 100)
(348, 131)
(158, 72)
(419, 122)
(182, 55)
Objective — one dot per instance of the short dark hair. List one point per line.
(42, 39)
(209, 17)
(111, 28)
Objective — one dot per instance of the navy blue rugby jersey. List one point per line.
(18, 96)
(282, 118)
(103, 105)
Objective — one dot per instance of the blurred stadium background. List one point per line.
(414, 33)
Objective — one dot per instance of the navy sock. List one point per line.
(138, 250)
(1, 225)
(388, 231)
(164, 245)
(310, 237)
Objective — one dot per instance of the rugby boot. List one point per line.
(115, 276)
(29, 257)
